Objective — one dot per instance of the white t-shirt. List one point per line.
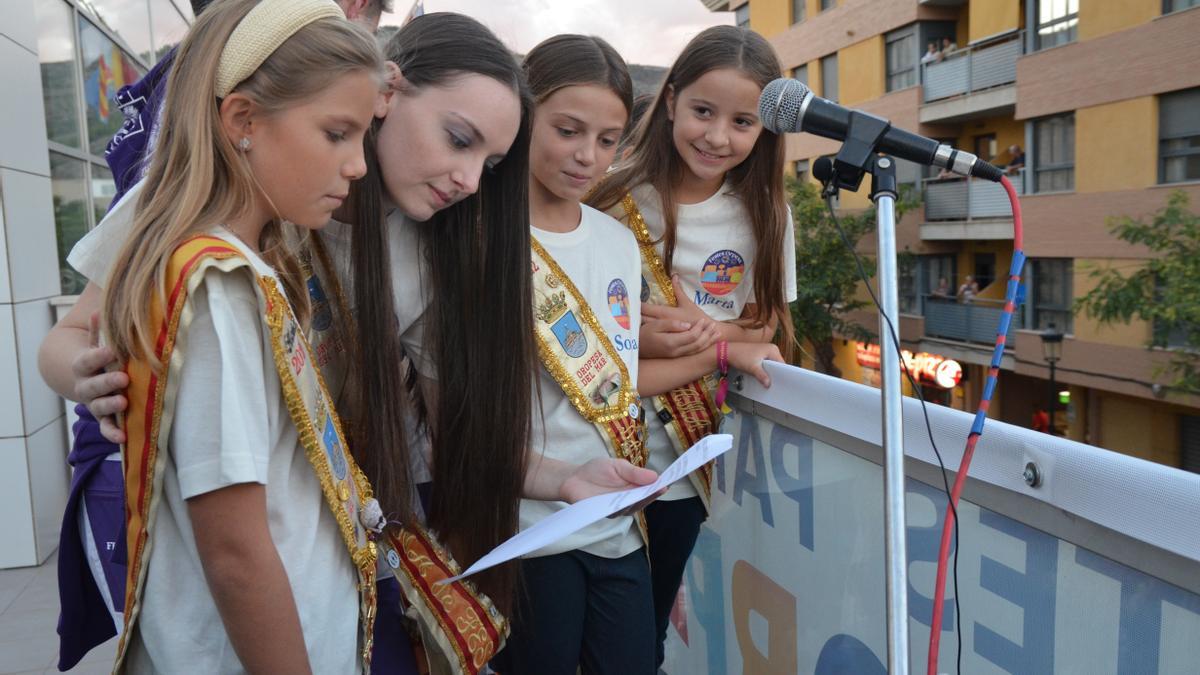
(714, 258)
(94, 255)
(599, 255)
(232, 426)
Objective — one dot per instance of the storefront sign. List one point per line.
(926, 368)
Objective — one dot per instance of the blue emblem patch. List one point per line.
(322, 314)
(570, 335)
(333, 448)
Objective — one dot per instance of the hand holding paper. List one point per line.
(583, 513)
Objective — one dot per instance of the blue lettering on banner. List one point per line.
(923, 545)
(847, 654)
(1033, 591)
(706, 591)
(1140, 629)
(704, 299)
(624, 343)
(750, 446)
(798, 488)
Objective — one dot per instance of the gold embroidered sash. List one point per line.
(578, 353)
(688, 413)
(151, 408)
(460, 627)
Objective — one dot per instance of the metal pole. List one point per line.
(895, 550)
(1053, 400)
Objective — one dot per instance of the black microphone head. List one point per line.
(780, 103)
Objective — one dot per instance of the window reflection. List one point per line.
(105, 70)
(129, 19)
(67, 176)
(56, 55)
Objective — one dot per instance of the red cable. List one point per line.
(939, 594)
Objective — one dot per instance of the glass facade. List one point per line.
(88, 50)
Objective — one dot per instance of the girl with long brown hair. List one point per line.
(702, 188)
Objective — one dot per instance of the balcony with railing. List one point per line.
(968, 208)
(975, 321)
(976, 81)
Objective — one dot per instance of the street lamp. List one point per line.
(1051, 353)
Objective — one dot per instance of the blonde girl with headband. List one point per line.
(248, 523)
(702, 188)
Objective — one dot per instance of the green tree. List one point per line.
(1165, 291)
(826, 277)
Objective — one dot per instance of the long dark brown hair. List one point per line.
(570, 60)
(758, 181)
(479, 319)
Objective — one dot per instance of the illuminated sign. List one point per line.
(926, 368)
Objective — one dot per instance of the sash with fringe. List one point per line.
(152, 406)
(688, 413)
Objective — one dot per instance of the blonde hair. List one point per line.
(198, 179)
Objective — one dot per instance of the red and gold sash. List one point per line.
(688, 413)
(461, 629)
(152, 406)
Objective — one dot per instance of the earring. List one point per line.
(244, 144)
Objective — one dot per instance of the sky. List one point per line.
(649, 32)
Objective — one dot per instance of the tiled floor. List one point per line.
(28, 617)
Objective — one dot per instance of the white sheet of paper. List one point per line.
(587, 511)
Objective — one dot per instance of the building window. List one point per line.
(798, 10)
(1054, 153)
(802, 169)
(741, 16)
(907, 273)
(1189, 442)
(60, 77)
(938, 275)
(800, 74)
(901, 55)
(1177, 5)
(1051, 299)
(829, 77)
(1179, 136)
(1057, 22)
(106, 68)
(828, 4)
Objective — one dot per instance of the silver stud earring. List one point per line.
(244, 144)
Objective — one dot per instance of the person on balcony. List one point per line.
(942, 292)
(932, 55)
(949, 46)
(1018, 160)
(968, 291)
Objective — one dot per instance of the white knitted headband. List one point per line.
(260, 33)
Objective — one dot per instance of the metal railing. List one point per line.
(975, 68)
(974, 321)
(959, 199)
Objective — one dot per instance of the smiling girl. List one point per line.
(703, 191)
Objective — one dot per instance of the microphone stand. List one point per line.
(857, 156)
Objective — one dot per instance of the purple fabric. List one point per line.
(393, 652)
(84, 620)
(139, 102)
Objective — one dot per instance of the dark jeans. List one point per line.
(578, 610)
(673, 527)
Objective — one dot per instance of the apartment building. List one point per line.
(1103, 98)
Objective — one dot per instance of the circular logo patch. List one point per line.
(618, 302)
(722, 272)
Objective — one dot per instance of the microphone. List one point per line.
(787, 107)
